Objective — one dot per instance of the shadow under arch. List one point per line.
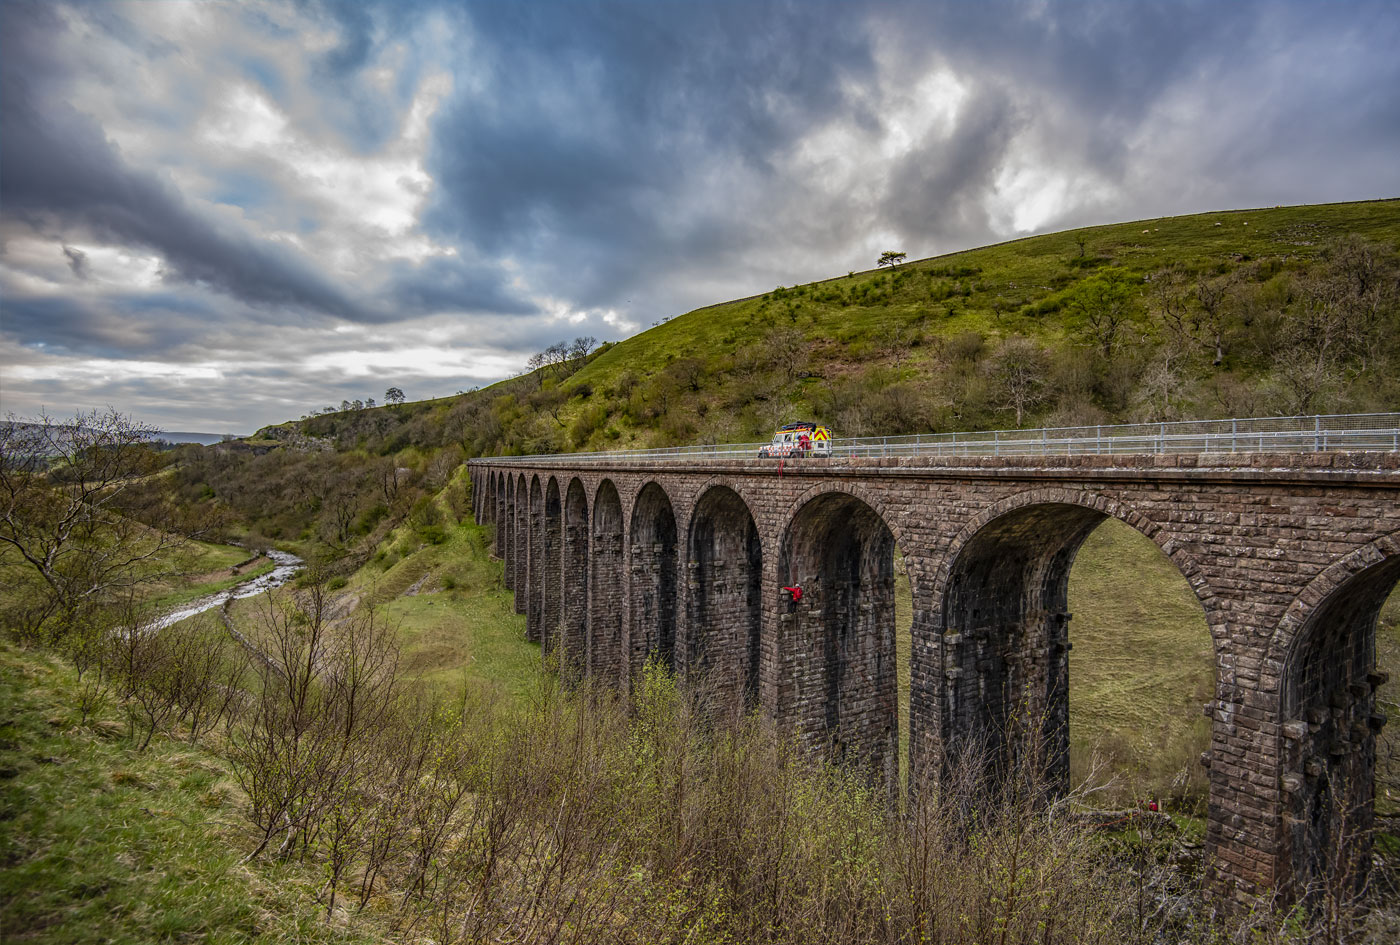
(652, 563)
(605, 658)
(520, 546)
(498, 513)
(838, 638)
(724, 596)
(505, 531)
(574, 604)
(1330, 724)
(534, 568)
(552, 567)
(1000, 612)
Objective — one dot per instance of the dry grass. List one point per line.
(1141, 667)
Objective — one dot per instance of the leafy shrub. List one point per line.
(589, 421)
(425, 512)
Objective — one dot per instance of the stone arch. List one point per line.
(1000, 612)
(652, 565)
(870, 497)
(534, 575)
(498, 513)
(1327, 740)
(839, 653)
(505, 532)
(607, 592)
(574, 620)
(488, 495)
(520, 560)
(1145, 526)
(724, 596)
(552, 551)
(1332, 580)
(743, 488)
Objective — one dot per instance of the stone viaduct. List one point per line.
(1290, 555)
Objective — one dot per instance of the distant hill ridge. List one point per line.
(204, 439)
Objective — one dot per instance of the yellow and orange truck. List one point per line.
(802, 438)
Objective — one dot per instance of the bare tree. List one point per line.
(1018, 371)
(72, 514)
(690, 373)
(580, 347)
(788, 349)
(324, 689)
(1162, 383)
(1211, 295)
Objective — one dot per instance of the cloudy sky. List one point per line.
(220, 215)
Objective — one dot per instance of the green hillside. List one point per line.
(102, 843)
(1240, 313)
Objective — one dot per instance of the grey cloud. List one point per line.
(77, 261)
(595, 120)
(57, 170)
(665, 95)
(944, 184)
(147, 326)
(450, 285)
(63, 177)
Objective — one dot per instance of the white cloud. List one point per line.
(369, 205)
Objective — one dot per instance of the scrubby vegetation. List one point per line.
(333, 800)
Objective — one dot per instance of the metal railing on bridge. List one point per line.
(1369, 432)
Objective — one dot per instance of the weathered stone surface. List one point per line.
(1289, 555)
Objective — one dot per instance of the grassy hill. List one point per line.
(1238, 313)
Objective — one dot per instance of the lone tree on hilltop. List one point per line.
(393, 396)
(892, 258)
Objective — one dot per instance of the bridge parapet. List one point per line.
(1372, 432)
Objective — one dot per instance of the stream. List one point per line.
(287, 565)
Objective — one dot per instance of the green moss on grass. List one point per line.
(103, 844)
